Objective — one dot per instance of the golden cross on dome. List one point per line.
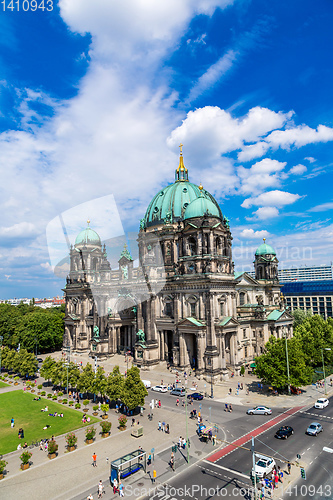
(181, 148)
(264, 240)
(88, 222)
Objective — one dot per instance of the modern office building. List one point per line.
(314, 296)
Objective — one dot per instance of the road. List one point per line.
(229, 475)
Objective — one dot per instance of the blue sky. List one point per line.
(95, 98)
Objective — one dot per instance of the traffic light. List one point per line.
(174, 449)
(303, 473)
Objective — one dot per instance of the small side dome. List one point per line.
(200, 207)
(265, 249)
(88, 237)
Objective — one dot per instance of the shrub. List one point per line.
(40, 387)
(10, 376)
(77, 406)
(90, 432)
(64, 401)
(86, 402)
(52, 447)
(71, 439)
(122, 421)
(54, 398)
(25, 457)
(60, 394)
(105, 408)
(3, 464)
(106, 426)
(71, 403)
(242, 370)
(95, 407)
(17, 378)
(43, 393)
(49, 395)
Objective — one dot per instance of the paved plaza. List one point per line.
(71, 474)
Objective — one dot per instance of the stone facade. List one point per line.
(184, 298)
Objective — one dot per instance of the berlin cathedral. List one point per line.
(183, 304)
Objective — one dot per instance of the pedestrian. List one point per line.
(12, 422)
(172, 463)
(184, 443)
(159, 425)
(177, 402)
(154, 476)
(100, 489)
(159, 404)
(226, 407)
(133, 422)
(230, 408)
(115, 486)
(149, 460)
(90, 497)
(241, 386)
(289, 468)
(94, 457)
(121, 490)
(276, 480)
(156, 403)
(281, 476)
(163, 426)
(180, 442)
(230, 391)
(167, 429)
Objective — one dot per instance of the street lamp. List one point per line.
(322, 358)
(287, 359)
(211, 381)
(187, 446)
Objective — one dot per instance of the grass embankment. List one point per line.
(2, 384)
(28, 415)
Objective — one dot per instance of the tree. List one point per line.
(86, 380)
(100, 383)
(271, 366)
(115, 384)
(28, 363)
(300, 315)
(47, 368)
(315, 334)
(134, 391)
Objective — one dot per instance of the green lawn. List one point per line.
(28, 415)
(2, 384)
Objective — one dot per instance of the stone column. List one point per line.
(200, 351)
(201, 308)
(162, 347)
(182, 350)
(211, 243)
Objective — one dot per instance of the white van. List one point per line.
(147, 384)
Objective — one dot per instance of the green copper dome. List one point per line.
(170, 204)
(265, 249)
(88, 237)
(202, 206)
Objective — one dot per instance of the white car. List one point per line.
(160, 388)
(321, 403)
(264, 466)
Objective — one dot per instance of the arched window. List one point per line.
(242, 297)
(192, 246)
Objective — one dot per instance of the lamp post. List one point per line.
(322, 358)
(68, 351)
(287, 359)
(187, 446)
(211, 380)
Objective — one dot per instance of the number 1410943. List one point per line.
(27, 5)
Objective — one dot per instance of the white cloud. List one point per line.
(263, 174)
(251, 234)
(264, 213)
(271, 198)
(322, 208)
(20, 230)
(212, 75)
(310, 159)
(298, 169)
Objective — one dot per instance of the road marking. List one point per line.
(329, 450)
(228, 470)
(256, 432)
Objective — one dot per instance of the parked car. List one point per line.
(146, 383)
(284, 432)
(314, 429)
(321, 403)
(196, 395)
(160, 388)
(40, 360)
(259, 410)
(180, 392)
(264, 466)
